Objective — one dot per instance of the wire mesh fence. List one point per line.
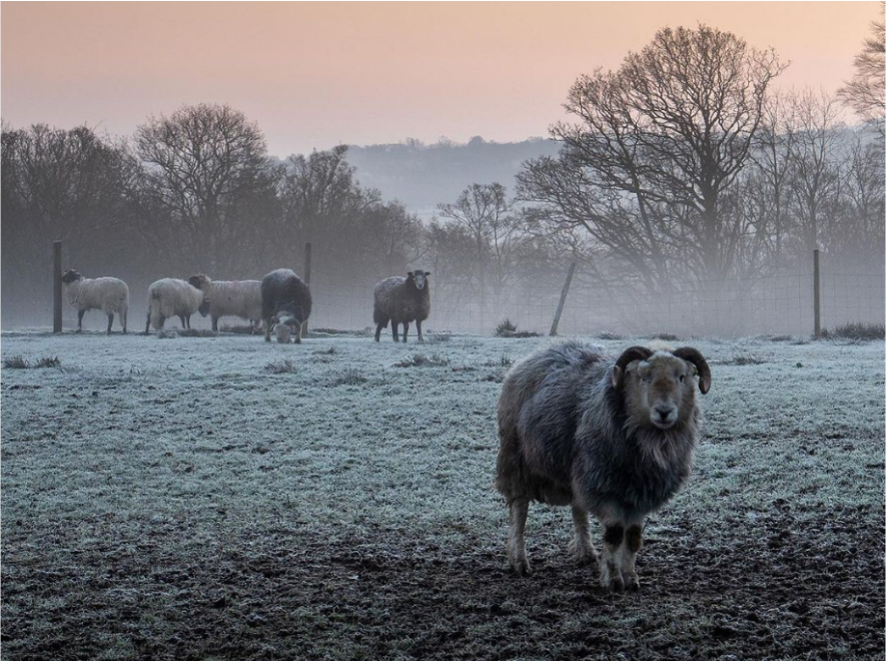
(781, 304)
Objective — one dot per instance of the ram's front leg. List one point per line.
(631, 545)
(610, 564)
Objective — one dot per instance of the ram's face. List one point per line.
(419, 279)
(661, 390)
(282, 333)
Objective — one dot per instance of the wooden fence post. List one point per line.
(307, 276)
(554, 330)
(817, 275)
(57, 286)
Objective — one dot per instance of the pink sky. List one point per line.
(316, 74)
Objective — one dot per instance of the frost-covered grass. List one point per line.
(222, 496)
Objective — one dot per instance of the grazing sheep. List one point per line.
(402, 300)
(108, 294)
(609, 437)
(286, 302)
(170, 297)
(242, 298)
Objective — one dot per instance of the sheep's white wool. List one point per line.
(171, 297)
(108, 294)
(239, 298)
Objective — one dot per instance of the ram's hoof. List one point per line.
(522, 568)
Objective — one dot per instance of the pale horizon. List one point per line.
(313, 75)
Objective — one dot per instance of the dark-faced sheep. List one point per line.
(402, 300)
(108, 294)
(611, 437)
(286, 302)
(172, 297)
(239, 298)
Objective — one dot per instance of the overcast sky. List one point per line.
(316, 74)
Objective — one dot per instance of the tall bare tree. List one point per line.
(866, 91)
(814, 158)
(658, 143)
(210, 174)
(486, 214)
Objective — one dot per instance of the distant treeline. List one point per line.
(679, 171)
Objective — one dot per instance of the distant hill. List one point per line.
(422, 176)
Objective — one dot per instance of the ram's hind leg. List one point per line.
(515, 544)
(582, 549)
(110, 321)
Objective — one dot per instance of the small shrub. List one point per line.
(666, 337)
(167, 334)
(418, 360)
(856, 331)
(505, 329)
(437, 338)
(48, 362)
(17, 362)
(280, 367)
(350, 377)
(504, 362)
(326, 352)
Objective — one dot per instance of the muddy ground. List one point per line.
(201, 500)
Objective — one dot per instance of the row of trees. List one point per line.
(681, 167)
(195, 191)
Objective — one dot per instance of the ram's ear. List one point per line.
(427, 273)
(617, 377)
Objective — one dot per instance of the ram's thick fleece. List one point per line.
(108, 294)
(240, 298)
(611, 437)
(172, 297)
(286, 301)
(402, 300)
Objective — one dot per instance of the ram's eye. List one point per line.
(681, 378)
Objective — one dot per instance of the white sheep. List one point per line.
(240, 298)
(170, 297)
(108, 294)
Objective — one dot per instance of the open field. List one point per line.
(227, 498)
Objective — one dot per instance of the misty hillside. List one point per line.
(421, 176)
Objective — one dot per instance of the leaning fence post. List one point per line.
(57, 286)
(554, 330)
(307, 276)
(817, 277)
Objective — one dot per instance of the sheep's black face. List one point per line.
(660, 391)
(204, 308)
(419, 279)
(70, 276)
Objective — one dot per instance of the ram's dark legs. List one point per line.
(215, 322)
(582, 549)
(110, 321)
(80, 320)
(515, 544)
(419, 330)
(407, 325)
(395, 330)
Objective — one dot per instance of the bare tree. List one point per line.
(209, 171)
(866, 92)
(486, 214)
(814, 157)
(657, 145)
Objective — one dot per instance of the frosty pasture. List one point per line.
(198, 497)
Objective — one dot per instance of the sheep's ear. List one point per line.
(427, 273)
(617, 377)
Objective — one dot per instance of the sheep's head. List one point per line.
(658, 386)
(199, 281)
(282, 333)
(286, 325)
(202, 282)
(418, 277)
(70, 276)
